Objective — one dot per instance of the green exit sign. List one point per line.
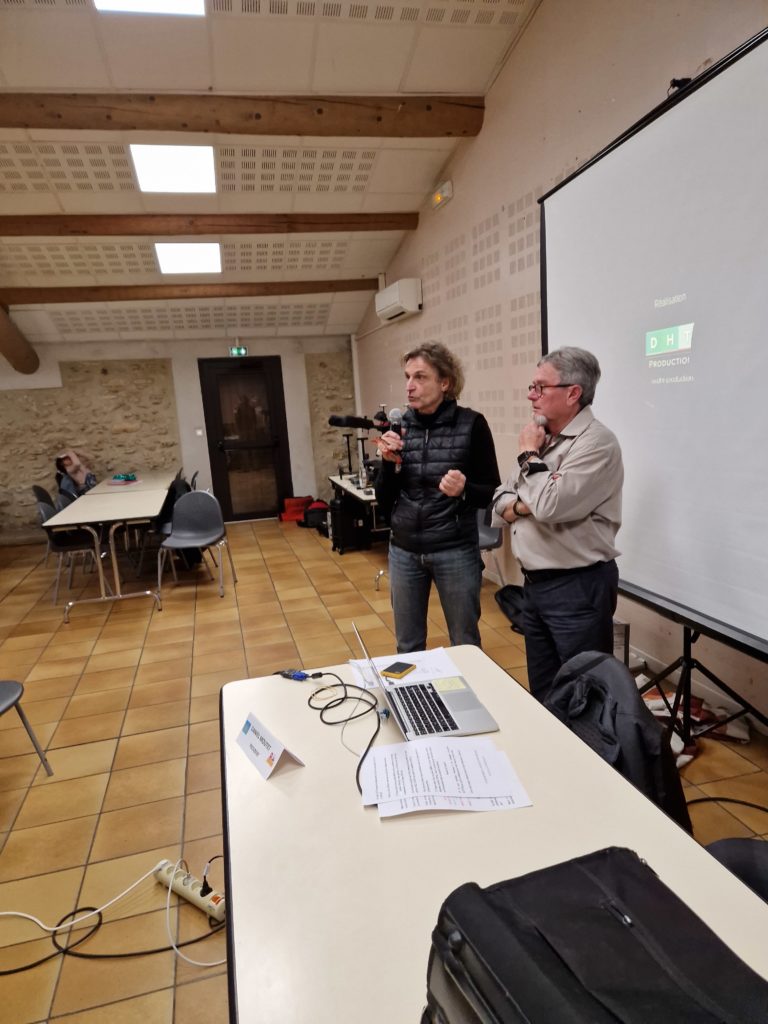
(238, 350)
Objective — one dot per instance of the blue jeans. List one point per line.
(457, 574)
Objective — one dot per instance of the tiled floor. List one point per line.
(126, 699)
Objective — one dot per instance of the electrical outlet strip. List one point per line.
(186, 885)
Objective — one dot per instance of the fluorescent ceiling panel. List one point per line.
(174, 168)
(193, 7)
(188, 257)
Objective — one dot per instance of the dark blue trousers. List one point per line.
(565, 614)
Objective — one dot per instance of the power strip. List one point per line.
(186, 885)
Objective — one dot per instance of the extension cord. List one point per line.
(186, 885)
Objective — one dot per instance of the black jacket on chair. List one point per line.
(596, 696)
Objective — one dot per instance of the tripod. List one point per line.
(687, 663)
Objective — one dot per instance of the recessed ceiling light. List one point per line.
(195, 7)
(188, 257)
(174, 168)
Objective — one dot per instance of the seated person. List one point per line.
(73, 475)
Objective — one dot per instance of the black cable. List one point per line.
(727, 800)
(361, 694)
(70, 950)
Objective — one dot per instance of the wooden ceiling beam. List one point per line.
(154, 292)
(362, 116)
(156, 224)
(15, 347)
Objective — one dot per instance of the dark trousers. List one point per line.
(565, 614)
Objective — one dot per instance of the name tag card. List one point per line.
(262, 748)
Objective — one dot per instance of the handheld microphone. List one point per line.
(362, 422)
(396, 426)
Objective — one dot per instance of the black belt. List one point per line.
(540, 575)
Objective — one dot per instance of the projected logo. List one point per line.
(669, 340)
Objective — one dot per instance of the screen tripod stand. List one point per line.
(682, 697)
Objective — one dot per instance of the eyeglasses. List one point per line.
(538, 389)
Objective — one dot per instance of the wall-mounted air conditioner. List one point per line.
(399, 300)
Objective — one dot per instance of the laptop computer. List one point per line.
(439, 707)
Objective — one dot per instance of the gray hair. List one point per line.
(576, 366)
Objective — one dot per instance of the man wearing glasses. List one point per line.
(563, 501)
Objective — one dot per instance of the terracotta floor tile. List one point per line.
(78, 761)
(224, 644)
(73, 798)
(203, 814)
(47, 897)
(211, 951)
(160, 693)
(232, 662)
(203, 737)
(133, 829)
(37, 711)
(22, 643)
(27, 996)
(74, 731)
(46, 848)
(106, 879)
(205, 708)
(156, 716)
(114, 659)
(204, 772)
(202, 1002)
(101, 702)
(146, 748)
(177, 651)
(212, 682)
(133, 786)
(158, 672)
(10, 803)
(16, 741)
(17, 772)
(751, 788)
(716, 759)
(152, 1008)
(57, 651)
(54, 669)
(47, 689)
(114, 679)
(85, 983)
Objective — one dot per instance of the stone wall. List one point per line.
(122, 412)
(331, 391)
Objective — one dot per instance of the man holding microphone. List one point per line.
(436, 473)
(563, 501)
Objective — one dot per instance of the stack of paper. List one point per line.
(458, 773)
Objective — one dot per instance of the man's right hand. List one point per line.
(532, 437)
(390, 444)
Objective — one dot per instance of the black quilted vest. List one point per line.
(423, 518)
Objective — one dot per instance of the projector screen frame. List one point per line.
(691, 619)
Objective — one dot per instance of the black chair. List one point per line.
(197, 523)
(490, 538)
(41, 494)
(161, 526)
(11, 693)
(62, 500)
(67, 544)
(193, 481)
(747, 859)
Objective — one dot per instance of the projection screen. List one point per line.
(656, 260)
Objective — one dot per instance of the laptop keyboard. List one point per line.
(423, 709)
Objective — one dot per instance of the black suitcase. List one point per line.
(596, 939)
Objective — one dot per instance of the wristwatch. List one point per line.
(523, 457)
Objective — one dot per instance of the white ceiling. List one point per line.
(243, 47)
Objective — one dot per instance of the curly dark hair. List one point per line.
(447, 365)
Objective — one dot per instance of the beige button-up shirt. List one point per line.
(575, 505)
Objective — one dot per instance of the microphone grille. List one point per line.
(395, 415)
